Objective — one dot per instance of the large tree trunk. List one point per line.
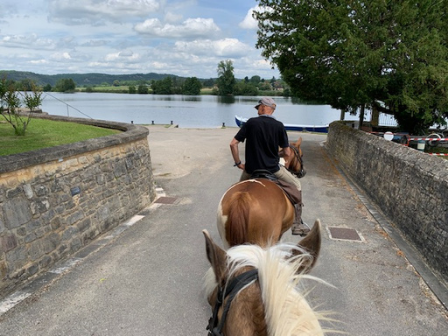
(342, 115)
(361, 116)
(374, 121)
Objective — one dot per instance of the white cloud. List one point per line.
(94, 43)
(98, 12)
(249, 22)
(69, 56)
(40, 62)
(190, 28)
(126, 56)
(60, 56)
(172, 17)
(224, 48)
(31, 41)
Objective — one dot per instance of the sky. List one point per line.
(186, 38)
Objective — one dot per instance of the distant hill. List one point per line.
(80, 79)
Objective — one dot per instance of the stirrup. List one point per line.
(302, 222)
(300, 231)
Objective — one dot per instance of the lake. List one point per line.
(186, 111)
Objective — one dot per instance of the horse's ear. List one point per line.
(216, 256)
(298, 142)
(311, 243)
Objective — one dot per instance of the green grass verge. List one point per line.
(42, 133)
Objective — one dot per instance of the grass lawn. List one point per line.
(43, 133)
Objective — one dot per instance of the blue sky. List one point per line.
(185, 38)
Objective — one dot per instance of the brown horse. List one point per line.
(252, 290)
(255, 211)
(296, 166)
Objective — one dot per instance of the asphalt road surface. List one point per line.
(145, 277)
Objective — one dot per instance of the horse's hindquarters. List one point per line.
(254, 211)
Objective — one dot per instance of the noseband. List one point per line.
(229, 293)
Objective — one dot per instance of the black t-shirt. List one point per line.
(264, 135)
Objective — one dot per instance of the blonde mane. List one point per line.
(286, 310)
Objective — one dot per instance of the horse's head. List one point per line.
(296, 158)
(248, 287)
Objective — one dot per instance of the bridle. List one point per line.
(228, 292)
(302, 171)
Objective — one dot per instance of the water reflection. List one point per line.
(226, 99)
(298, 101)
(192, 98)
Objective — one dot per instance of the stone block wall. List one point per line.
(56, 200)
(409, 186)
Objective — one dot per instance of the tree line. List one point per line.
(163, 84)
(168, 85)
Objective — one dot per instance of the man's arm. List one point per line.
(235, 152)
(287, 156)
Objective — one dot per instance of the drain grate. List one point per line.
(344, 233)
(166, 200)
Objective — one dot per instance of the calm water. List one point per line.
(185, 111)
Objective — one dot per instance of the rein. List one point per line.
(229, 292)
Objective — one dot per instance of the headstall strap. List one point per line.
(301, 173)
(231, 290)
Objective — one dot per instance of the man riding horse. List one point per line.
(264, 135)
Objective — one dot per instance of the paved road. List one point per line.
(145, 277)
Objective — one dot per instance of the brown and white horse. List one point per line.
(257, 211)
(253, 290)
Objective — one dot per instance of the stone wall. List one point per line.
(56, 200)
(409, 186)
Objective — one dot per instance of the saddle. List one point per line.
(290, 190)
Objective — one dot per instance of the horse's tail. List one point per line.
(238, 218)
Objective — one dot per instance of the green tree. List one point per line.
(191, 86)
(132, 89)
(10, 103)
(245, 89)
(116, 83)
(255, 79)
(47, 88)
(391, 55)
(33, 100)
(65, 85)
(226, 79)
(265, 86)
(26, 84)
(142, 89)
(163, 86)
(209, 82)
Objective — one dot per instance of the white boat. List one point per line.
(291, 127)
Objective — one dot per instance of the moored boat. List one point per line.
(291, 127)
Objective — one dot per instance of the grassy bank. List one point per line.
(43, 133)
